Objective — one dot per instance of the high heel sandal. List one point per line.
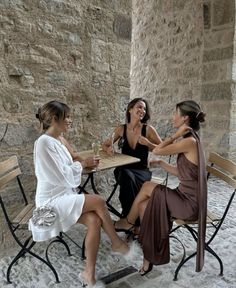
(128, 231)
(143, 272)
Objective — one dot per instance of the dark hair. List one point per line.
(49, 110)
(191, 109)
(131, 105)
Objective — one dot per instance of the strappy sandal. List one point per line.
(128, 231)
(143, 272)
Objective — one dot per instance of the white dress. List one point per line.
(57, 179)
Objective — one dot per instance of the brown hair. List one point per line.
(131, 105)
(191, 109)
(49, 110)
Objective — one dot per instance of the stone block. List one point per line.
(122, 27)
(60, 7)
(19, 134)
(218, 54)
(232, 139)
(216, 108)
(223, 12)
(219, 124)
(10, 102)
(216, 91)
(27, 81)
(210, 72)
(57, 78)
(218, 38)
(100, 56)
(224, 141)
(13, 70)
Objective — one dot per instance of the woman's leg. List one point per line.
(143, 196)
(97, 205)
(93, 223)
(141, 208)
(146, 264)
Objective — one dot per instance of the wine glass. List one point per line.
(96, 148)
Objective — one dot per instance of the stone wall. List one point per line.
(219, 18)
(167, 43)
(75, 51)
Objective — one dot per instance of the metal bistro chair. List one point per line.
(10, 171)
(223, 170)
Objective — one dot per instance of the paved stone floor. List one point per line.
(113, 269)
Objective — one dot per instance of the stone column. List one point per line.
(166, 55)
(217, 80)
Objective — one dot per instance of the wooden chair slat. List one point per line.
(26, 218)
(211, 217)
(221, 175)
(8, 164)
(225, 164)
(8, 177)
(24, 213)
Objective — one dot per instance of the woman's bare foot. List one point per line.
(146, 268)
(120, 247)
(87, 278)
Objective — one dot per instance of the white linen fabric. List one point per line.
(57, 179)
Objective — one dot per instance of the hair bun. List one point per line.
(200, 116)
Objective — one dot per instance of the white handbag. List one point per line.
(44, 216)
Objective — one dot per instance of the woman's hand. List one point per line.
(144, 141)
(110, 150)
(90, 162)
(182, 130)
(154, 162)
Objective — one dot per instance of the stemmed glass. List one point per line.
(96, 148)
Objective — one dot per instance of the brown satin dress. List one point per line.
(186, 202)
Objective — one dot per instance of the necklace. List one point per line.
(135, 128)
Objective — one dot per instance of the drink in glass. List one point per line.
(96, 147)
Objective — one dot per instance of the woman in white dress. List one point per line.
(58, 171)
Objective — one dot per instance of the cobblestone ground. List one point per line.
(31, 273)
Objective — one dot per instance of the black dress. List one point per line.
(131, 177)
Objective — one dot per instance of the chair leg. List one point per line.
(17, 257)
(182, 262)
(25, 250)
(212, 252)
(58, 241)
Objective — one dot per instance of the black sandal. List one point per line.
(143, 272)
(126, 231)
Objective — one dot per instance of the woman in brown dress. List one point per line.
(157, 205)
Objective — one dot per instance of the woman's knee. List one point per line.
(100, 202)
(147, 187)
(93, 220)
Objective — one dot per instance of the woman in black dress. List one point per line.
(131, 177)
